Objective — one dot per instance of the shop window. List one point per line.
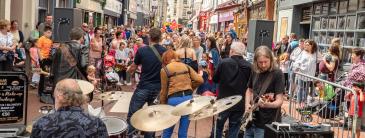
(306, 14)
(324, 23)
(343, 6)
(362, 4)
(334, 7)
(341, 22)
(317, 9)
(332, 23)
(316, 23)
(361, 21)
(353, 5)
(325, 8)
(351, 21)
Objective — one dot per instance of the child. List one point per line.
(34, 58)
(121, 57)
(284, 66)
(91, 71)
(111, 75)
(358, 87)
(205, 88)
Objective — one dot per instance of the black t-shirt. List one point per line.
(232, 75)
(267, 115)
(151, 67)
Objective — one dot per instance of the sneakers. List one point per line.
(129, 84)
(119, 84)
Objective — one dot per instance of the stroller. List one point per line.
(111, 78)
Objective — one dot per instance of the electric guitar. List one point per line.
(248, 116)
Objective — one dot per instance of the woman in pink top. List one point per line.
(96, 47)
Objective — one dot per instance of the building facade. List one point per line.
(179, 10)
(323, 20)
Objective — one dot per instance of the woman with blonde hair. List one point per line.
(186, 53)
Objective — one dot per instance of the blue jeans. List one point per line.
(234, 123)
(184, 120)
(139, 98)
(303, 90)
(254, 132)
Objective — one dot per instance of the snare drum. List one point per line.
(116, 126)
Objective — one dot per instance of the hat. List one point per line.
(203, 63)
(85, 86)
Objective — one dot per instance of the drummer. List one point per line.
(69, 120)
(177, 82)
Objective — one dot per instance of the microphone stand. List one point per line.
(102, 69)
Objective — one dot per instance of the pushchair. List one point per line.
(111, 78)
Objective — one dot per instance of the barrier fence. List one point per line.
(312, 99)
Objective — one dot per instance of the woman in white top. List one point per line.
(305, 64)
(7, 46)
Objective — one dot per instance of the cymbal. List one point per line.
(192, 106)
(85, 86)
(218, 106)
(154, 118)
(112, 95)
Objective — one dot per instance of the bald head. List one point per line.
(68, 93)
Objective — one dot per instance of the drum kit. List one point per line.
(159, 117)
(156, 117)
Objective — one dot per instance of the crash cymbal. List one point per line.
(85, 86)
(218, 106)
(192, 106)
(154, 118)
(112, 95)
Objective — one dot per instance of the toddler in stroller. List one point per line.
(111, 77)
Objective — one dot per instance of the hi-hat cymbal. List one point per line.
(85, 86)
(154, 118)
(218, 106)
(112, 95)
(192, 106)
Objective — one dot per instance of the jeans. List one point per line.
(254, 132)
(303, 90)
(139, 98)
(184, 120)
(234, 123)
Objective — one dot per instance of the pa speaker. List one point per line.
(64, 20)
(260, 32)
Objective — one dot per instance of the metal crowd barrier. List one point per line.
(324, 110)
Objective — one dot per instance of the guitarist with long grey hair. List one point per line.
(264, 95)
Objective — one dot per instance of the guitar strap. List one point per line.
(265, 85)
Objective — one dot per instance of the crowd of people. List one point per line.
(169, 67)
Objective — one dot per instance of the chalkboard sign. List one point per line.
(13, 98)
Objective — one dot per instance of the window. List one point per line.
(185, 1)
(341, 22)
(353, 5)
(325, 7)
(361, 21)
(343, 6)
(317, 9)
(333, 7)
(184, 12)
(351, 21)
(362, 4)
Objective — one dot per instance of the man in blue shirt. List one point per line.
(150, 81)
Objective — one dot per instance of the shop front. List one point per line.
(224, 19)
(112, 12)
(203, 21)
(213, 23)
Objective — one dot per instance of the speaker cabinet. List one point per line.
(260, 32)
(64, 20)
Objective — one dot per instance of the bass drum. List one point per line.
(116, 126)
